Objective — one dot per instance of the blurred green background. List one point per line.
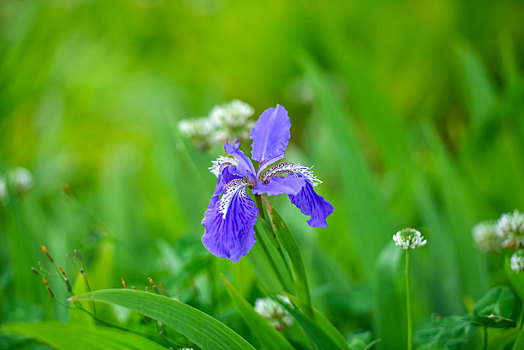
(412, 113)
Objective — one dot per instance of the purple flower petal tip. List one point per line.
(312, 204)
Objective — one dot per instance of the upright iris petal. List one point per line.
(244, 167)
(270, 137)
(229, 224)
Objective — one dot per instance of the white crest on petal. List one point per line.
(220, 163)
(234, 188)
(294, 169)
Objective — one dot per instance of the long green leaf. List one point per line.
(268, 337)
(200, 328)
(317, 327)
(74, 336)
(389, 313)
(325, 325)
(289, 243)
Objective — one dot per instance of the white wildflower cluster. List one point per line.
(228, 120)
(517, 261)
(510, 228)
(486, 237)
(409, 238)
(18, 179)
(272, 311)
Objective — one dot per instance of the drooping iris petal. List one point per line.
(229, 224)
(289, 184)
(312, 204)
(244, 166)
(270, 136)
(226, 175)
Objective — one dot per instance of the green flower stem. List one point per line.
(272, 238)
(408, 303)
(485, 338)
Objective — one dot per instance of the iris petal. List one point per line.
(270, 136)
(226, 175)
(312, 204)
(244, 167)
(289, 184)
(229, 224)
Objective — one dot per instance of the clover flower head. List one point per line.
(3, 191)
(231, 118)
(409, 238)
(231, 114)
(486, 237)
(510, 227)
(231, 215)
(274, 313)
(20, 181)
(517, 261)
(199, 127)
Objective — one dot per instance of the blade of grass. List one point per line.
(74, 336)
(200, 328)
(267, 336)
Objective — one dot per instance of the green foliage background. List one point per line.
(411, 112)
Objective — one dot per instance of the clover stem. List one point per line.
(485, 338)
(408, 303)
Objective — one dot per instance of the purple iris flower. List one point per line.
(229, 220)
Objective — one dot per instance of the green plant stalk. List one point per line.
(262, 214)
(408, 303)
(485, 338)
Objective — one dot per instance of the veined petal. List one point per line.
(225, 176)
(270, 136)
(312, 204)
(229, 224)
(290, 168)
(244, 165)
(288, 184)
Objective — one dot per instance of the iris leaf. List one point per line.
(298, 271)
(200, 328)
(75, 336)
(317, 327)
(268, 337)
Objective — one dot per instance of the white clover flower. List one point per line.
(198, 127)
(486, 237)
(20, 179)
(409, 238)
(3, 191)
(510, 228)
(233, 114)
(517, 261)
(228, 120)
(272, 311)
